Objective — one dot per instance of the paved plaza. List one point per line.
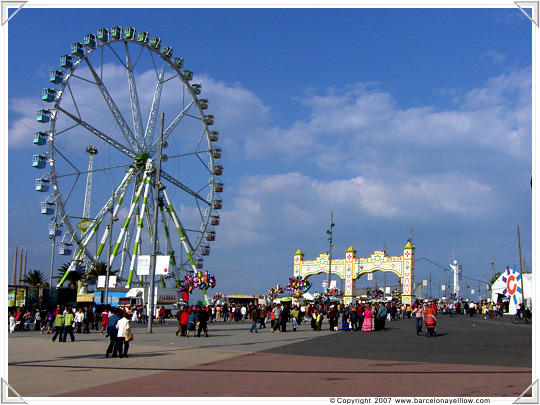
(469, 357)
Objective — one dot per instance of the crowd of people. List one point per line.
(193, 320)
(66, 321)
(361, 316)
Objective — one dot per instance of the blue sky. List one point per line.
(392, 118)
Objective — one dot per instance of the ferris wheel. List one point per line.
(120, 99)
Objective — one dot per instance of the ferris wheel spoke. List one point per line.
(135, 107)
(168, 244)
(152, 119)
(171, 127)
(73, 99)
(84, 79)
(89, 172)
(118, 56)
(115, 111)
(77, 171)
(202, 162)
(178, 184)
(188, 247)
(100, 134)
(125, 247)
(181, 155)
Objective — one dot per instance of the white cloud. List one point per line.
(494, 56)
(342, 125)
(233, 106)
(266, 206)
(24, 122)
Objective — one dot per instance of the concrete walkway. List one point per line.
(470, 357)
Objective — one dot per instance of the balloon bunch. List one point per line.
(207, 280)
(298, 286)
(200, 280)
(396, 293)
(275, 291)
(216, 297)
(374, 293)
(332, 292)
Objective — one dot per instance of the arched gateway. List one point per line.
(351, 268)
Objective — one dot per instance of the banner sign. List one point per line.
(162, 265)
(143, 265)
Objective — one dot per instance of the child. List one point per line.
(319, 320)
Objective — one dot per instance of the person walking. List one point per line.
(419, 314)
(354, 319)
(225, 312)
(277, 314)
(144, 315)
(284, 318)
(184, 322)
(333, 317)
(11, 321)
(203, 321)
(49, 320)
(113, 334)
(69, 318)
(472, 309)
(254, 316)
(295, 315)
(37, 320)
(262, 317)
(382, 313)
(122, 338)
(104, 320)
(367, 324)
(179, 319)
(192, 322)
(162, 312)
(79, 318)
(58, 326)
(88, 319)
(134, 316)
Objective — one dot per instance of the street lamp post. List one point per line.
(329, 232)
(53, 237)
(109, 264)
(157, 186)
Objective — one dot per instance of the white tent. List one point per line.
(307, 296)
(509, 285)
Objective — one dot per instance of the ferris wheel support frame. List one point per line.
(145, 183)
(87, 236)
(135, 254)
(170, 251)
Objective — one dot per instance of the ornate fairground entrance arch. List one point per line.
(351, 268)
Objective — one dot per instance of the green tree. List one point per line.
(100, 269)
(493, 280)
(73, 276)
(34, 278)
